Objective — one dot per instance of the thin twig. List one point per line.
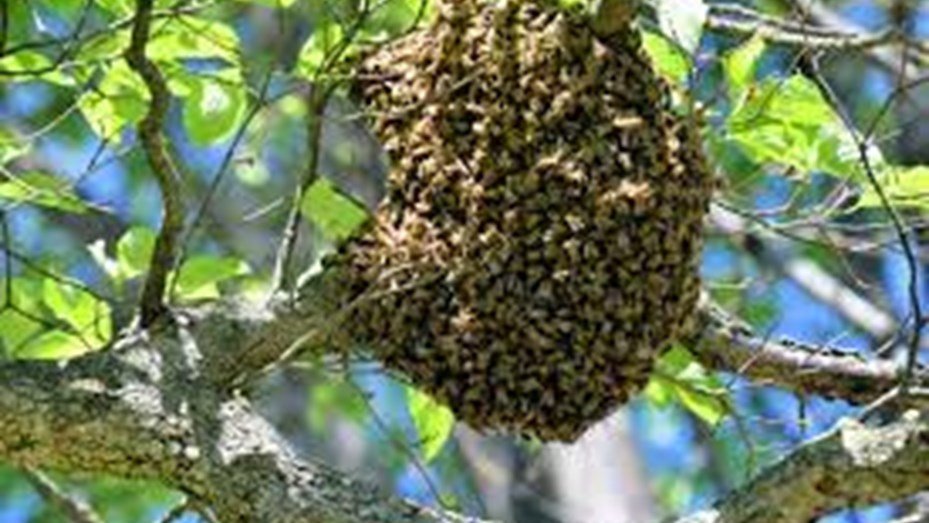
(908, 252)
(74, 509)
(316, 101)
(317, 98)
(221, 171)
(149, 129)
(399, 444)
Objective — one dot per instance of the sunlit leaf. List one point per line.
(119, 100)
(42, 189)
(88, 316)
(316, 51)
(11, 146)
(30, 65)
(213, 109)
(51, 345)
(667, 57)
(16, 329)
(902, 186)
(134, 251)
(788, 122)
(433, 422)
(336, 215)
(741, 64)
(190, 36)
(679, 377)
(200, 274)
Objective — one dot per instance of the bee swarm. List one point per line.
(537, 249)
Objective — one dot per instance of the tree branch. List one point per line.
(164, 256)
(143, 409)
(832, 372)
(851, 466)
(739, 20)
(151, 407)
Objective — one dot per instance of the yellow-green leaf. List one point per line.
(667, 57)
(42, 189)
(213, 109)
(741, 64)
(433, 422)
(200, 274)
(336, 215)
(134, 251)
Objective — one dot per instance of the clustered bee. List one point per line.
(537, 248)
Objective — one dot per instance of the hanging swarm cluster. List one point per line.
(537, 247)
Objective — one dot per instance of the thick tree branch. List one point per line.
(153, 406)
(150, 134)
(851, 466)
(144, 410)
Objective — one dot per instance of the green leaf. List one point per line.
(16, 329)
(903, 187)
(88, 316)
(51, 345)
(709, 407)
(12, 146)
(788, 122)
(120, 99)
(667, 58)
(213, 110)
(29, 65)
(200, 274)
(120, 7)
(335, 214)
(188, 36)
(134, 251)
(42, 189)
(316, 51)
(678, 376)
(659, 391)
(433, 422)
(682, 21)
(741, 65)
(271, 3)
(127, 7)
(393, 17)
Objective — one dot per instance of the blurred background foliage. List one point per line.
(79, 209)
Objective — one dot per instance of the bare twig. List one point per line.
(908, 252)
(316, 101)
(73, 508)
(740, 20)
(150, 134)
(726, 344)
(317, 98)
(221, 171)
